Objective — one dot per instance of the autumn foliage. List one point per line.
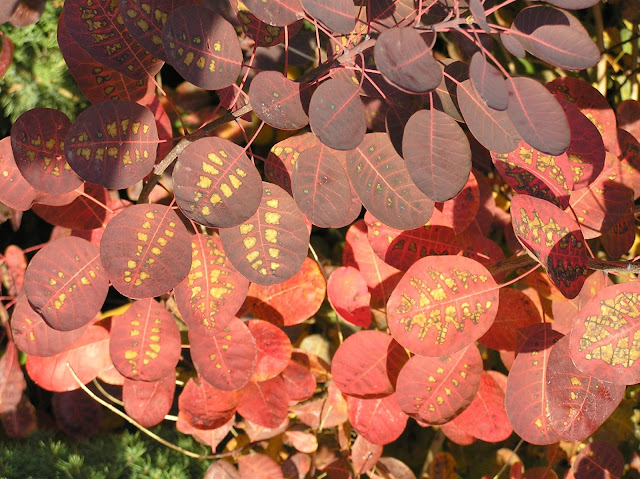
(481, 211)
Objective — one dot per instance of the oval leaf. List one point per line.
(349, 296)
(278, 101)
(149, 402)
(379, 421)
(204, 406)
(264, 403)
(489, 82)
(337, 15)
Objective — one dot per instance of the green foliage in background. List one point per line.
(106, 456)
(38, 75)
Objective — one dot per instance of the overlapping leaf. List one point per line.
(598, 459)
(437, 154)
(216, 184)
(146, 251)
(336, 114)
(577, 403)
(149, 402)
(96, 81)
(378, 420)
(492, 128)
(270, 247)
(34, 336)
(276, 12)
(299, 382)
(280, 102)
(526, 402)
(488, 82)
(112, 144)
(435, 390)
(37, 140)
(291, 302)
(263, 34)
(66, 283)
(97, 27)
(204, 406)
(264, 403)
(442, 304)
(603, 337)
(15, 191)
(273, 349)
(82, 213)
(206, 53)
(367, 364)
(145, 342)
(321, 187)
(349, 296)
(554, 238)
(384, 185)
(338, 16)
(213, 291)
(283, 156)
(12, 382)
(226, 359)
(459, 212)
(404, 57)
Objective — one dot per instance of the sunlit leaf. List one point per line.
(97, 27)
(435, 390)
(216, 184)
(349, 296)
(66, 283)
(338, 16)
(273, 349)
(364, 455)
(149, 402)
(112, 144)
(292, 301)
(264, 403)
(378, 420)
(276, 12)
(258, 466)
(489, 82)
(213, 291)
(262, 33)
(206, 53)
(225, 359)
(145, 341)
(280, 102)
(15, 191)
(204, 406)
(442, 304)
(269, 247)
(460, 211)
(327, 411)
(146, 251)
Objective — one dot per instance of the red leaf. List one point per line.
(349, 297)
(299, 382)
(204, 406)
(258, 466)
(364, 455)
(278, 101)
(323, 412)
(598, 460)
(273, 349)
(264, 403)
(12, 382)
(149, 402)
(380, 421)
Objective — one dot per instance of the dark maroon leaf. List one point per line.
(37, 140)
(321, 187)
(216, 184)
(271, 246)
(34, 336)
(77, 414)
(525, 400)
(437, 154)
(276, 12)
(400, 108)
(145, 341)
(620, 238)
(99, 82)
(512, 44)
(578, 404)
(384, 185)
(492, 128)
(479, 16)
(386, 14)
(489, 82)
(538, 116)
(435, 390)
(280, 102)
(146, 250)
(206, 53)
(445, 96)
(337, 15)
(554, 238)
(404, 58)
(278, 166)
(113, 144)
(336, 114)
(149, 402)
(598, 460)
(97, 27)
(226, 357)
(263, 34)
(213, 291)
(66, 284)
(556, 37)
(145, 19)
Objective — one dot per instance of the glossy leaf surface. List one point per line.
(206, 53)
(437, 154)
(66, 283)
(270, 247)
(435, 390)
(146, 251)
(97, 27)
(145, 342)
(442, 304)
(112, 144)
(216, 184)
(384, 185)
(213, 291)
(226, 359)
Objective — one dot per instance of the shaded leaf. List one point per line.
(258, 466)
(273, 349)
(598, 459)
(204, 406)
(338, 16)
(329, 411)
(276, 12)
(15, 191)
(488, 82)
(278, 101)
(12, 382)
(77, 414)
(149, 402)
(364, 455)
(299, 382)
